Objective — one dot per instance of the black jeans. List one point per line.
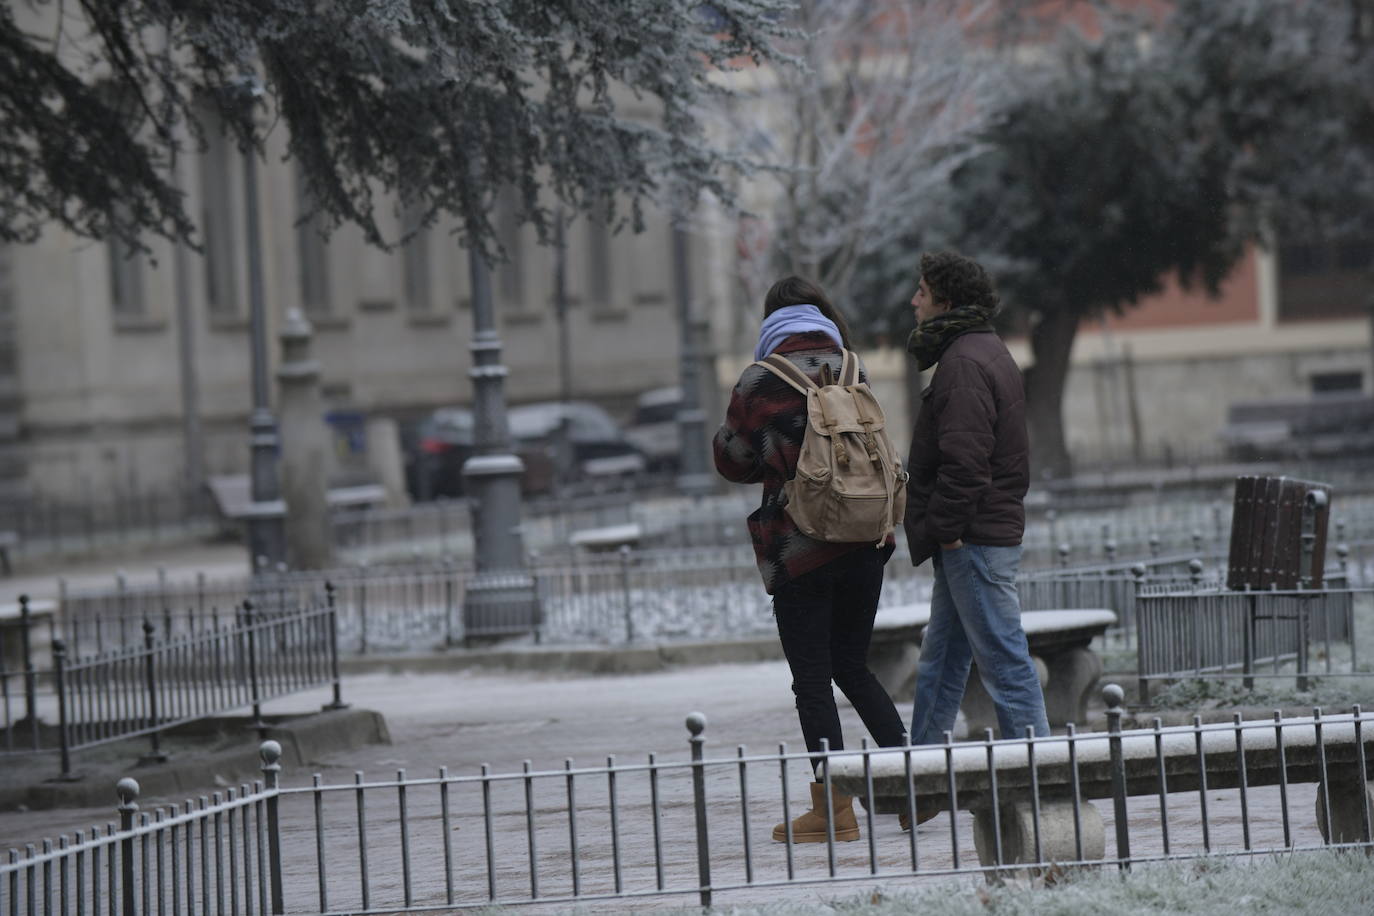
(825, 622)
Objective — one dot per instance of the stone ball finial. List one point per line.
(696, 723)
(1113, 695)
(127, 790)
(270, 752)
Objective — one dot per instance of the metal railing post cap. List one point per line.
(127, 790)
(1113, 695)
(696, 723)
(270, 752)
(1138, 570)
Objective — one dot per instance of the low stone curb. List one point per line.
(232, 761)
(622, 659)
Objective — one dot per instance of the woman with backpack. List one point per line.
(825, 591)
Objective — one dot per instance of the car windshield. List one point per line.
(453, 425)
(589, 423)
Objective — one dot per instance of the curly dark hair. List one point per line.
(958, 280)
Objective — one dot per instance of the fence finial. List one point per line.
(127, 790)
(270, 752)
(696, 723)
(1113, 695)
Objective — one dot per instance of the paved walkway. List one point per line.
(463, 720)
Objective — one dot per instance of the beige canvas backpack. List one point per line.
(849, 485)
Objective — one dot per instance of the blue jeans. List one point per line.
(975, 617)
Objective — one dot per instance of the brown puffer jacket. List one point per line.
(970, 456)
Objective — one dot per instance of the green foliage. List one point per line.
(441, 102)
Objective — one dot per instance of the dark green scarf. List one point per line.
(931, 336)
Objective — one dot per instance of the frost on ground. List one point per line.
(1305, 884)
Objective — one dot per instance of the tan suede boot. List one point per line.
(810, 827)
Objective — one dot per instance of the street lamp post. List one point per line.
(500, 599)
(693, 476)
(265, 517)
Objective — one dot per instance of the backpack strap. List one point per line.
(849, 369)
(786, 370)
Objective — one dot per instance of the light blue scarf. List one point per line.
(793, 319)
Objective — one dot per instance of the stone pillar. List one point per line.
(386, 461)
(304, 450)
(1059, 837)
(1351, 797)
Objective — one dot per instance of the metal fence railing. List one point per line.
(117, 517)
(145, 689)
(700, 824)
(630, 595)
(1209, 632)
(626, 595)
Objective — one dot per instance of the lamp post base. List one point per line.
(499, 605)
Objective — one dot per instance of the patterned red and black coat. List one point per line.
(759, 443)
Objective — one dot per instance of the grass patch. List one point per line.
(1302, 884)
(1337, 694)
(1333, 694)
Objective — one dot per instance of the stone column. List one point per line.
(304, 450)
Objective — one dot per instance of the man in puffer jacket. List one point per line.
(970, 467)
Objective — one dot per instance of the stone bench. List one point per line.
(609, 537)
(998, 789)
(1059, 643)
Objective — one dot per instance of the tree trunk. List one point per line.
(1051, 342)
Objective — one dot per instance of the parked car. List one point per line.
(654, 429)
(598, 445)
(445, 440)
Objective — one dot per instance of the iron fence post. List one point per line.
(625, 589)
(449, 604)
(1141, 627)
(155, 754)
(59, 663)
(251, 635)
(127, 789)
(1248, 648)
(696, 724)
(30, 679)
(362, 615)
(1113, 695)
(337, 702)
(270, 752)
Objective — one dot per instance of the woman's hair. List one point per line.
(958, 280)
(796, 291)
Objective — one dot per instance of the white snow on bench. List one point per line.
(609, 536)
(1055, 621)
(918, 614)
(1094, 747)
